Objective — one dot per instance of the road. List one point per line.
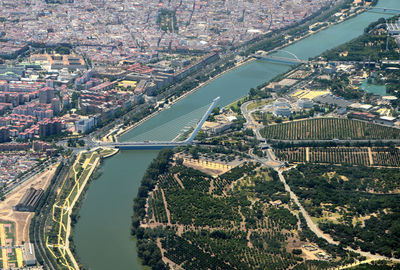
(271, 162)
(313, 227)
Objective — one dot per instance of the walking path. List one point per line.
(166, 207)
(178, 180)
(314, 228)
(371, 160)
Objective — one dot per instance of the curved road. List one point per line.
(270, 157)
(313, 227)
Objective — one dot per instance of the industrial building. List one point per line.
(30, 200)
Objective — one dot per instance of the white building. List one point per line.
(84, 125)
(305, 103)
(282, 108)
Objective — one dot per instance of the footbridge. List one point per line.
(294, 60)
(156, 145)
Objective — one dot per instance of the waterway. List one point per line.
(102, 234)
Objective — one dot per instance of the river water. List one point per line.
(102, 234)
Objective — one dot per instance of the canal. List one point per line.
(102, 234)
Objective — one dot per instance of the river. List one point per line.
(102, 234)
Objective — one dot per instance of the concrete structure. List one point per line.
(30, 200)
(282, 108)
(305, 103)
(153, 145)
(84, 125)
(28, 253)
(386, 120)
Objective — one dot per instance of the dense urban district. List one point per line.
(301, 173)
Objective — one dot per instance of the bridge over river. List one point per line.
(153, 145)
(292, 60)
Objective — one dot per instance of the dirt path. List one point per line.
(178, 180)
(243, 222)
(211, 188)
(371, 160)
(313, 227)
(166, 207)
(249, 244)
(165, 259)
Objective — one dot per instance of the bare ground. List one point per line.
(22, 219)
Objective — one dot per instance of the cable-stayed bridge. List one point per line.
(150, 145)
(293, 60)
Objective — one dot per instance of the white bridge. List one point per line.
(279, 59)
(148, 145)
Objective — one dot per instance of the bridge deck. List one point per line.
(164, 144)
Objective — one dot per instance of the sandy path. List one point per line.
(166, 207)
(165, 259)
(178, 180)
(371, 160)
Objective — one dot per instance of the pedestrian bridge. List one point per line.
(156, 145)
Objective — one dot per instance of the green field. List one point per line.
(328, 129)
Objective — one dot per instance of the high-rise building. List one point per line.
(49, 127)
(4, 134)
(46, 94)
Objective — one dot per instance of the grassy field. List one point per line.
(328, 129)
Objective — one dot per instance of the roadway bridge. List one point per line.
(294, 60)
(157, 145)
(384, 10)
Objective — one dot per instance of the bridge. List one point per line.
(157, 145)
(383, 10)
(279, 59)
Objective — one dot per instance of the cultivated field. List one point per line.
(328, 129)
(367, 156)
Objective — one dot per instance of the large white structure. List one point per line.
(305, 103)
(282, 108)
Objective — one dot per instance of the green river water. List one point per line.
(102, 234)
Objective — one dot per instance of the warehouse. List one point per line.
(30, 200)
